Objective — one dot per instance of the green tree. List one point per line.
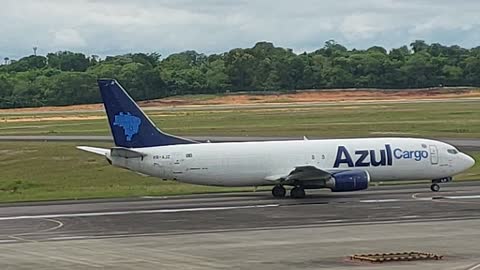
(68, 61)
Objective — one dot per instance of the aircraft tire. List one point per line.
(435, 187)
(279, 191)
(297, 192)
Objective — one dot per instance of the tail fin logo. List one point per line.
(129, 123)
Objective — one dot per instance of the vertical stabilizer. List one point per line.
(131, 128)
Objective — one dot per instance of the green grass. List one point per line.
(435, 119)
(36, 171)
(52, 171)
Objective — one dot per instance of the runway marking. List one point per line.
(283, 227)
(68, 238)
(477, 266)
(415, 197)
(380, 201)
(59, 225)
(457, 197)
(7, 241)
(156, 211)
(334, 221)
(406, 217)
(461, 197)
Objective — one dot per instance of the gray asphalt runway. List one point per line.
(246, 230)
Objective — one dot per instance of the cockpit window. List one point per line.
(452, 151)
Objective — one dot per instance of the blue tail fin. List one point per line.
(131, 128)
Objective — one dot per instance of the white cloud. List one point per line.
(166, 26)
(364, 26)
(68, 38)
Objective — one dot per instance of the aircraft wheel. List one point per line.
(297, 192)
(435, 187)
(279, 191)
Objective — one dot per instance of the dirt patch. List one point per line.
(334, 95)
(345, 95)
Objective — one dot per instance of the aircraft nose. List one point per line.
(469, 161)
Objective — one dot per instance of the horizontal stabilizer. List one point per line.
(126, 153)
(95, 150)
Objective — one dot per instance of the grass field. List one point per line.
(52, 171)
(48, 171)
(435, 119)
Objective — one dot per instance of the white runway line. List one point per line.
(68, 238)
(334, 221)
(461, 197)
(379, 201)
(408, 217)
(477, 266)
(117, 213)
(7, 241)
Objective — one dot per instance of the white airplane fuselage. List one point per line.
(341, 164)
(261, 163)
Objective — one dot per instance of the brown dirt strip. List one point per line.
(336, 95)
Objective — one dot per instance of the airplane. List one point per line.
(340, 165)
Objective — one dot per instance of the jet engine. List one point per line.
(348, 181)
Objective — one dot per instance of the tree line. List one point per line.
(66, 78)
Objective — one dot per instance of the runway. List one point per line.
(246, 230)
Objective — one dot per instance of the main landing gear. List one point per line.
(435, 187)
(279, 191)
(298, 192)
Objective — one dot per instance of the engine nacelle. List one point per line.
(349, 181)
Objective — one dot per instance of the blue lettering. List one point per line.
(360, 161)
(376, 158)
(343, 157)
(381, 162)
(389, 155)
(415, 155)
(398, 153)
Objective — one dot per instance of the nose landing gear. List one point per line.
(435, 187)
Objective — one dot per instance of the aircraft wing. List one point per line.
(302, 173)
(307, 173)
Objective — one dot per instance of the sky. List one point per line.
(112, 27)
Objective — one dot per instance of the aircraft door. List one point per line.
(433, 154)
